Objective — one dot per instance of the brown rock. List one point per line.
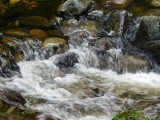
(38, 33)
(155, 3)
(12, 2)
(1, 104)
(19, 32)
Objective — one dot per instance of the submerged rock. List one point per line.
(67, 60)
(133, 64)
(74, 7)
(13, 98)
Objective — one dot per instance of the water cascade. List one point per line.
(102, 69)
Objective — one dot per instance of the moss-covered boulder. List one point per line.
(113, 23)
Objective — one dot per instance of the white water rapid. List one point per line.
(86, 94)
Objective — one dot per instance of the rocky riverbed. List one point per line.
(58, 37)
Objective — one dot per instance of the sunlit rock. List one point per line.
(74, 7)
(50, 42)
(155, 3)
(12, 2)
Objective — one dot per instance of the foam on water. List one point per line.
(87, 93)
(42, 79)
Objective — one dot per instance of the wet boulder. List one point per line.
(54, 45)
(12, 97)
(115, 3)
(68, 60)
(148, 36)
(8, 65)
(113, 23)
(101, 45)
(80, 31)
(133, 64)
(95, 14)
(74, 7)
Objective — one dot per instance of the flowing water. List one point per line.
(86, 93)
(86, 90)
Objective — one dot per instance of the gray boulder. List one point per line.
(74, 7)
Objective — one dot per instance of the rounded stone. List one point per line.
(38, 33)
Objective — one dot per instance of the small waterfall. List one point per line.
(100, 75)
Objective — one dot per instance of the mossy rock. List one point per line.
(130, 115)
(34, 21)
(18, 32)
(113, 22)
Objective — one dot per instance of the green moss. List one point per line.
(130, 115)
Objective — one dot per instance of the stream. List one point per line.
(102, 62)
(86, 92)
